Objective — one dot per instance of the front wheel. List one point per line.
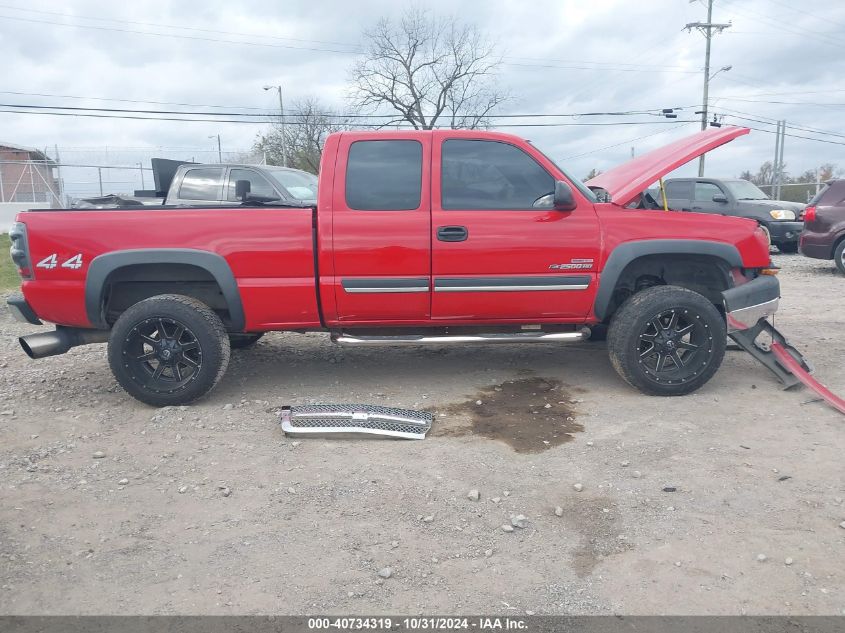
(168, 350)
(667, 340)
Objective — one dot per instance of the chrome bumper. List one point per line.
(745, 305)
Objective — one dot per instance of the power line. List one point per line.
(808, 103)
(630, 140)
(797, 126)
(171, 26)
(808, 138)
(825, 19)
(173, 35)
(651, 112)
(306, 48)
(779, 25)
(364, 125)
(86, 98)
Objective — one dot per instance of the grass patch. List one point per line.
(9, 279)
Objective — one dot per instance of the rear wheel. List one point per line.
(667, 340)
(168, 350)
(839, 257)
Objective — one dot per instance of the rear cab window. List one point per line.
(384, 175)
(203, 183)
(679, 190)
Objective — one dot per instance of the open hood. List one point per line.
(628, 180)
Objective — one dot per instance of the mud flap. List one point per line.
(771, 348)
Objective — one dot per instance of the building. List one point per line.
(28, 175)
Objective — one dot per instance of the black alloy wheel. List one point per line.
(667, 340)
(164, 353)
(168, 350)
(674, 346)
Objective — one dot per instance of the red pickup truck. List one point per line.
(417, 237)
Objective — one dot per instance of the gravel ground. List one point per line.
(727, 501)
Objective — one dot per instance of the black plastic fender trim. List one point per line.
(627, 252)
(103, 265)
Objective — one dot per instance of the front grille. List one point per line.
(353, 419)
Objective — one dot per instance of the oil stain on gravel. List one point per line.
(529, 414)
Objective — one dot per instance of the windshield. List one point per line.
(584, 189)
(744, 190)
(299, 184)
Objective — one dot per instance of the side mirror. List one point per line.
(720, 197)
(563, 198)
(242, 189)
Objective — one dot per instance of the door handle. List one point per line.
(452, 233)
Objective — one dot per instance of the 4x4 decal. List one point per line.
(52, 261)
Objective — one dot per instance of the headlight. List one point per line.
(782, 214)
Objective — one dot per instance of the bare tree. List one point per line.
(305, 132)
(429, 71)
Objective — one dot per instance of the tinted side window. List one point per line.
(202, 184)
(704, 191)
(384, 175)
(679, 190)
(491, 175)
(258, 185)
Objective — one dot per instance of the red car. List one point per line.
(823, 236)
(418, 237)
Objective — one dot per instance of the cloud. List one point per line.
(566, 56)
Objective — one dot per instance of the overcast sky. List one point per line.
(561, 56)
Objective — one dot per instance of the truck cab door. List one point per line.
(703, 201)
(500, 252)
(381, 229)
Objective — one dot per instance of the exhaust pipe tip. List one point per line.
(60, 341)
(26, 347)
(45, 344)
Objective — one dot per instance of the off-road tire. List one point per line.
(630, 333)
(839, 257)
(242, 341)
(203, 331)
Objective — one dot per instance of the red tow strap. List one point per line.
(787, 360)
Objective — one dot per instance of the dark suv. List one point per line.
(739, 198)
(824, 224)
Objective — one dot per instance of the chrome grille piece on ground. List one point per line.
(355, 419)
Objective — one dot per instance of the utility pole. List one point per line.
(219, 151)
(706, 29)
(282, 123)
(780, 157)
(59, 177)
(141, 169)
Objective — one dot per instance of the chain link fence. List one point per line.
(85, 172)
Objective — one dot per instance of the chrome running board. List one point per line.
(355, 419)
(516, 337)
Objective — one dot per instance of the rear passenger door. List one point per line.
(381, 229)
